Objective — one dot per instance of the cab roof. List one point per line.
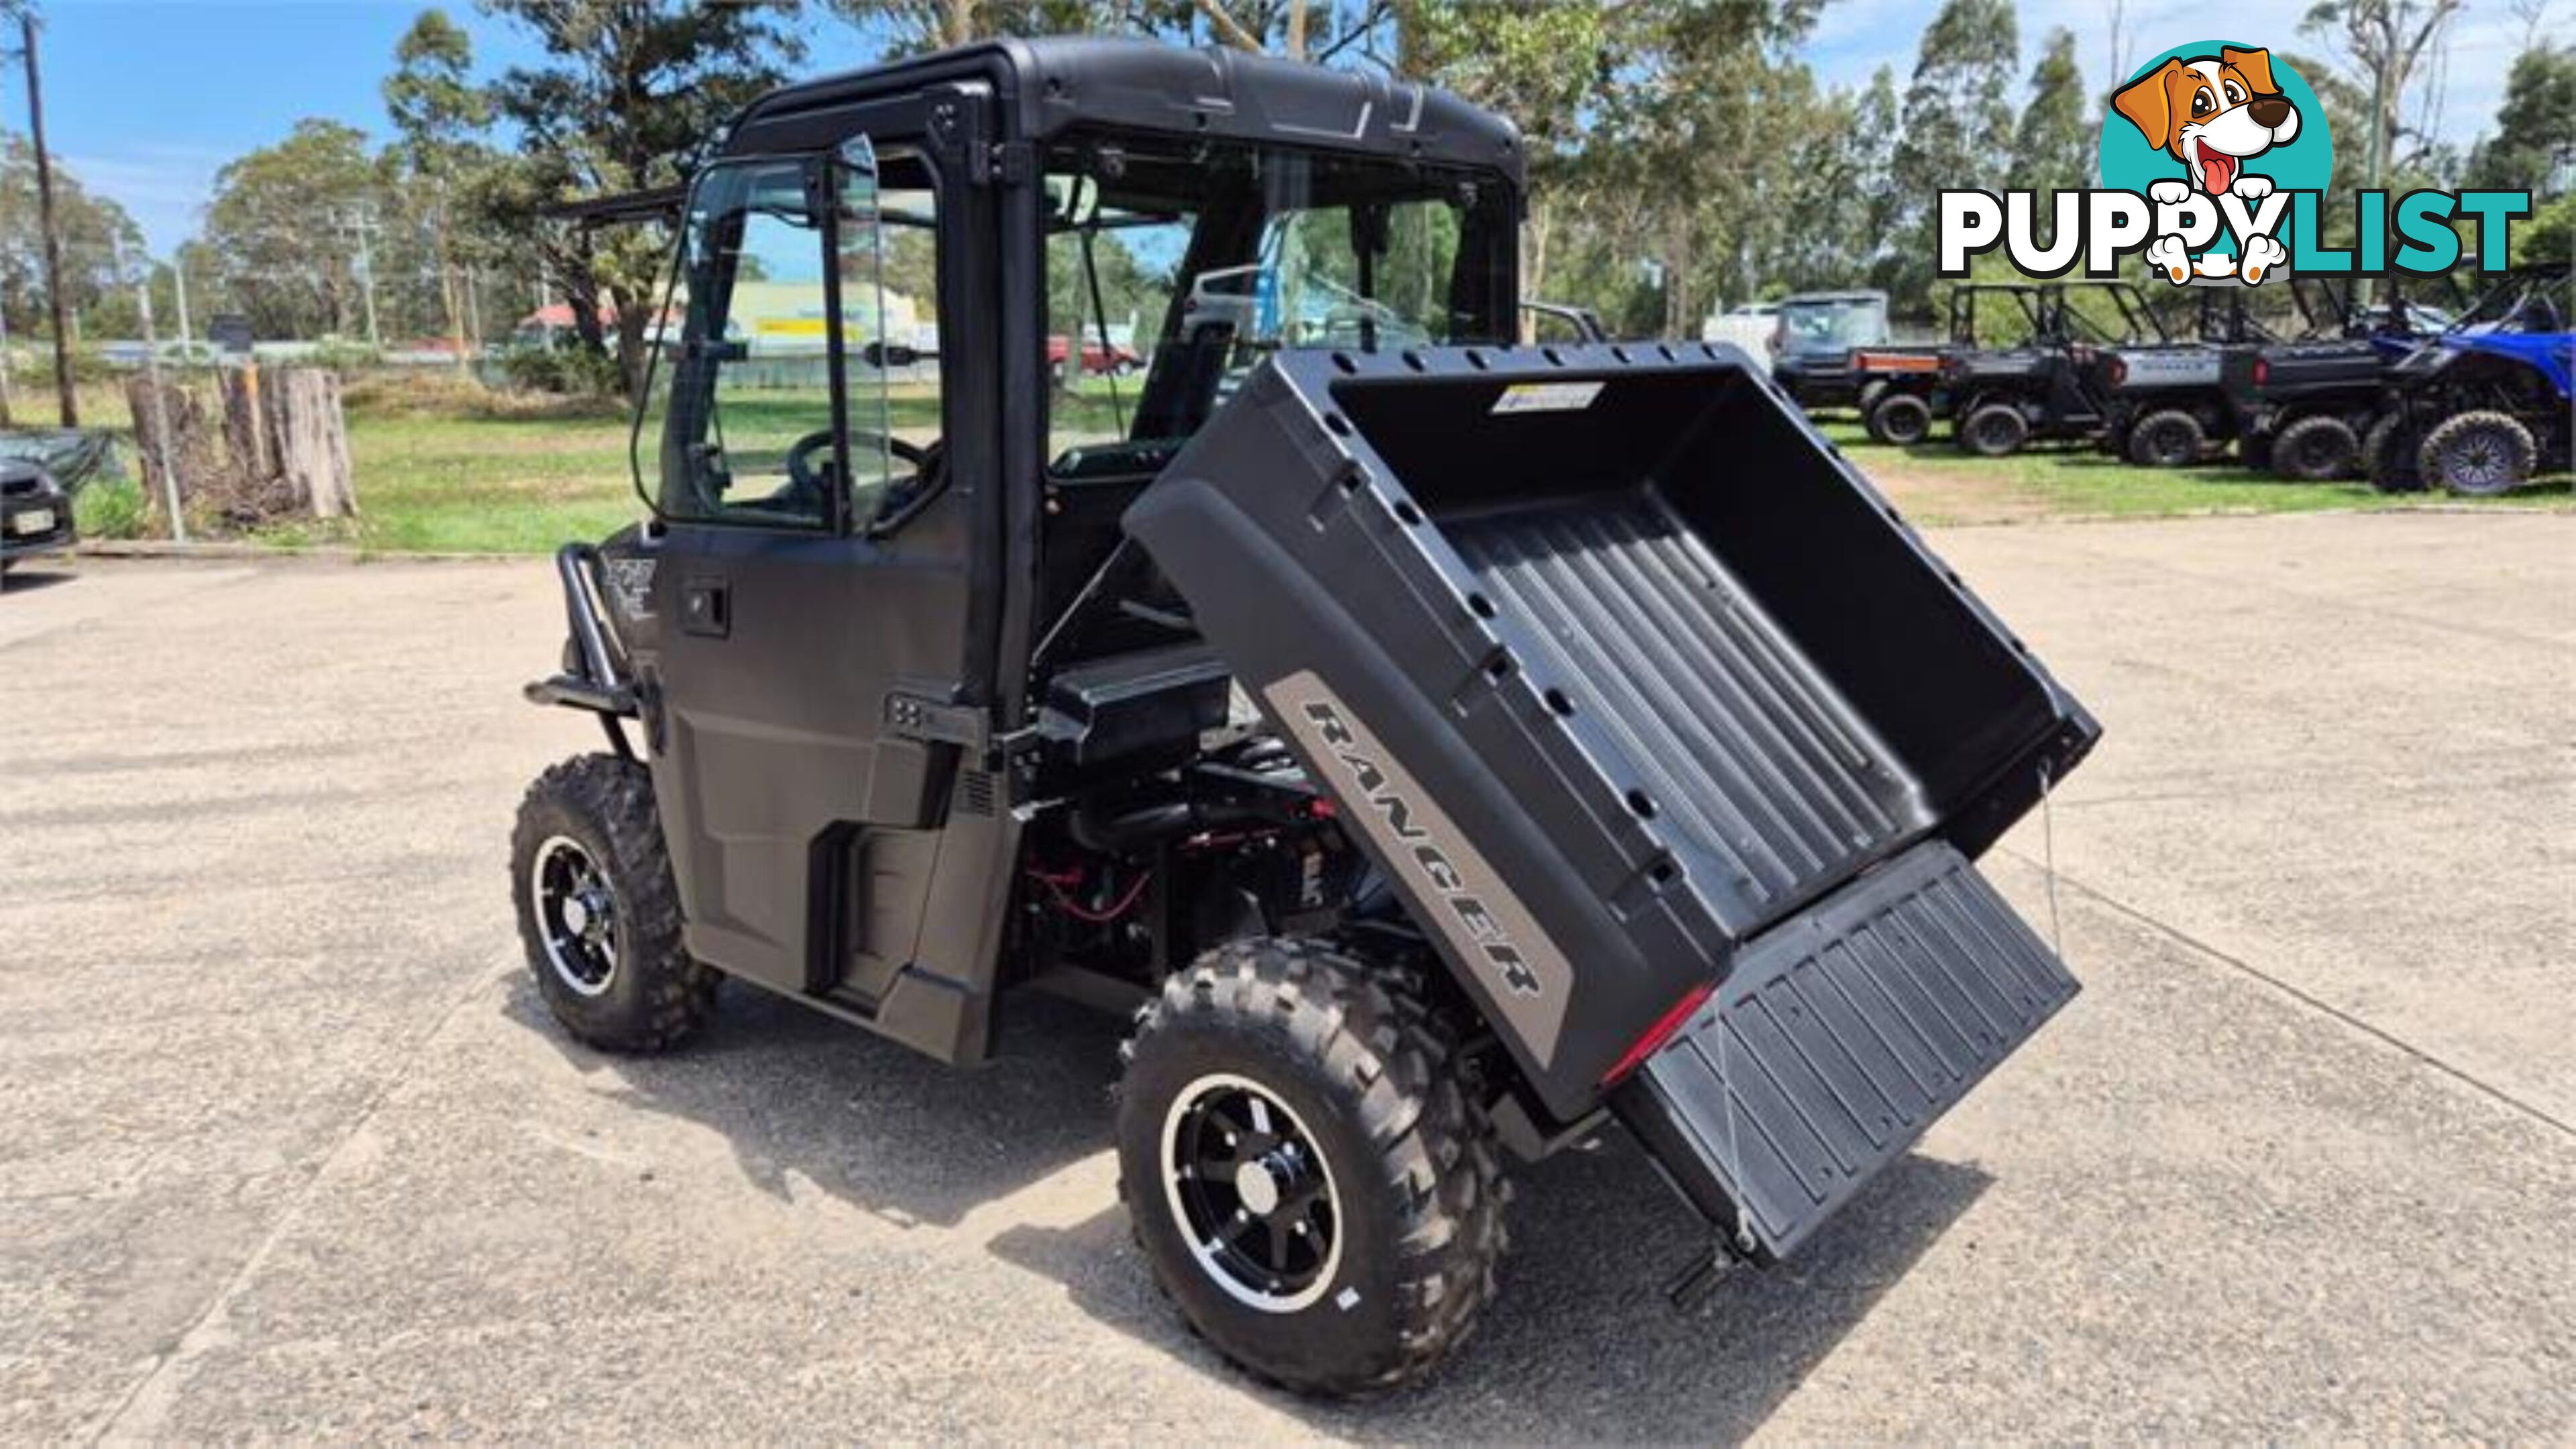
(1046, 87)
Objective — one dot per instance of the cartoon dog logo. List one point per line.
(2213, 114)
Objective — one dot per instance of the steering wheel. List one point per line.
(815, 447)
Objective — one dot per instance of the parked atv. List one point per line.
(2482, 406)
(2045, 386)
(2306, 404)
(1445, 751)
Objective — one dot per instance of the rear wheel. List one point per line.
(598, 912)
(2391, 454)
(2480, 454)
(1901, 418)
(1994, 430)
(2170, 438)
(1306, 1169)
(2315, 449)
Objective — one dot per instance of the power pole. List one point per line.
(365, 225)
(6, 421)
(179, 281)
(70, 403)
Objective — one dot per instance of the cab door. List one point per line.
(812, 690)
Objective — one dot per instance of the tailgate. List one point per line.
(1838, 1037)
(1606, 658)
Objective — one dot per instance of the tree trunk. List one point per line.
(1534, 263)
(633, 318)
(313, 442)
(246, 425)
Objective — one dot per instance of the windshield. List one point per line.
(1834, 326)
(1174, 266)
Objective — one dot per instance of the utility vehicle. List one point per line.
(2481, 406)
(1812, 343)
(1900, 388)
(2165, 403)
(2305, 403)
(2044, 385)
(1448, 750)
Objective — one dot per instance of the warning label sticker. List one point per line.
(1547, 397)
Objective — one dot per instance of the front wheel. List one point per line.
(2390, 455)
(2171, 438)
(598, 911)
(2480, 454)
(1306, 1169)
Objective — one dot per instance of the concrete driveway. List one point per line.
(287, 1147)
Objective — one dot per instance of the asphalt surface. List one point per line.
(289, 1149)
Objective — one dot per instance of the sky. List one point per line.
(146, 99)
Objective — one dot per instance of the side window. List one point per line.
(1109, 286)
(744, 393)
(889, 265)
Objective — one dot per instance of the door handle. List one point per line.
(706, 608)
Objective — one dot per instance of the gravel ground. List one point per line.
(288, 1148)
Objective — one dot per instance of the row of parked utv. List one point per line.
(2408, 394)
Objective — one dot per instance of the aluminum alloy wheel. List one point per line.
(576, 914)
(1251, 1193)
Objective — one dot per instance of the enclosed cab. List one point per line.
(1446, 750)
(1812, 341)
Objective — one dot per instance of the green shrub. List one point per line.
(111, 508)
(563, 367)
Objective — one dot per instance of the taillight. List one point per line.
(1665, 1028)
(2119, 371)
(2262, 371)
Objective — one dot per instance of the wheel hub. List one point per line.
(576, 914)
(1251, 1194)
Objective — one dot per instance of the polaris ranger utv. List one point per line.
(2045, 386)
(2304, 404)
(1446, 749)
(1898, 387)
(2165, 403)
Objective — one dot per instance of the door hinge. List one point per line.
(911, 717)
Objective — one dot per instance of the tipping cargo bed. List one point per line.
(1609, 660)
(1761, 766)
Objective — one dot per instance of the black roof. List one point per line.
(1054, 84)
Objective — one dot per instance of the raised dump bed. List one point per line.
(1616, 666)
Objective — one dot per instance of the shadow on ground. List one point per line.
(27, 578)
(1581, 1345)
(880, 1125)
